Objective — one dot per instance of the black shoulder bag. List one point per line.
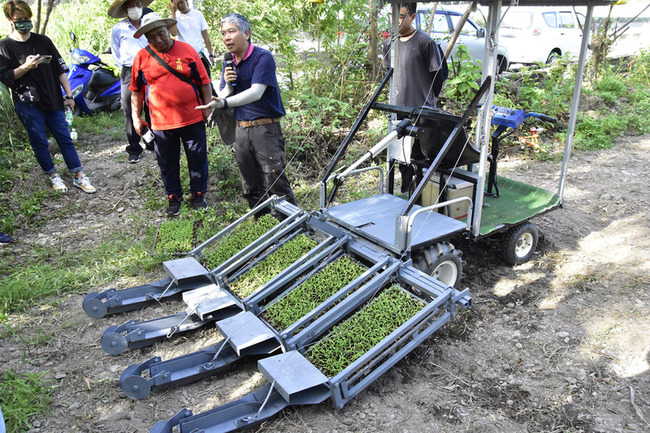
(225, 119)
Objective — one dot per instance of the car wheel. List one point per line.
(553, 57)
(502, 65)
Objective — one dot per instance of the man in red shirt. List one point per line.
(171, 77)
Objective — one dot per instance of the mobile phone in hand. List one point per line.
(47, 57)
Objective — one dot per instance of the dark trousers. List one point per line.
(134, 147)
(167, 146)
(259, 152)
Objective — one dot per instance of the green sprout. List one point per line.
(175, 236)
(313, 292)
(349, 340)
(275, 263)
(243, 235)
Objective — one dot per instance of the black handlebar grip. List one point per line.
(546, 118)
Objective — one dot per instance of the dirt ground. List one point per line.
(560, 344)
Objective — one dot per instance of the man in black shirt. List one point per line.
(417, 64)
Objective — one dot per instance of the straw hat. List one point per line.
(115, 10)
(152, 21)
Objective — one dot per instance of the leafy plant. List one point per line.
(598, 133)
(247, 232)
(466, 75)
(349, 340)
(23, 395)
(312, 292)
(275, 263)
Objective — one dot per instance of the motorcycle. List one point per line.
(94, 87)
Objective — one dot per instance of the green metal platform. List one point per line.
(517, 202)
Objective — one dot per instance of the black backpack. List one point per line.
(442, 74)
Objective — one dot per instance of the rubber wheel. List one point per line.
(501, 65)
(115, 105)
(519, 243)
(443, 262)
(553, 57)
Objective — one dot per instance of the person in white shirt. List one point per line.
(192, 28)
(124, 47)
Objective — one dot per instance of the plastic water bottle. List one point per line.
(68, 116)
(73, 135)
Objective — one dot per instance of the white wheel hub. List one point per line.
(524, 244)
(446, 272)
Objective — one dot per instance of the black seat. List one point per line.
(433, 133)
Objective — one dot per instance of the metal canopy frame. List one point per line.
(491, 41)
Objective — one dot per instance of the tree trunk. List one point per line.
(48, 12)
(600, 46)
(458, 28)
(434, 6)
(38, 16)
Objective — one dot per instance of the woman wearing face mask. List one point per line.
(31, 66)
(124, 48)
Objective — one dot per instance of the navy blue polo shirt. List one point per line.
(258, 67)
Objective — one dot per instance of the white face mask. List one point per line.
(134, 13)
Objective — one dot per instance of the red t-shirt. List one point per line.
(171, 101)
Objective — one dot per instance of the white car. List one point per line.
(472, 35)
(540, 35)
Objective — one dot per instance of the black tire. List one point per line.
(502, 65)
(115, 105)
(519, 243)
(552, 57)
(443, 262)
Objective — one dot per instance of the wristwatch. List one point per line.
(68, 97)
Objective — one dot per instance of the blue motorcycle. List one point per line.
(94, 87)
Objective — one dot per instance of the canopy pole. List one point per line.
(484, 116)
(573, 115)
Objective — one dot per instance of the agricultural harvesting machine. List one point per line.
(327, 301)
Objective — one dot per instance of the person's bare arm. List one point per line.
(137, 99)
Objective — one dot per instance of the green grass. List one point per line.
(102, 124)
(23, 395)
(48, 271)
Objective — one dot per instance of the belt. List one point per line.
(256, 122)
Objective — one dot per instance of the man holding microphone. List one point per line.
(250, 85)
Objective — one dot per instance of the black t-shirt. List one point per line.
(418, 62)
(45, 78)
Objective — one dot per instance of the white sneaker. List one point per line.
(58, 184)
(83, 183)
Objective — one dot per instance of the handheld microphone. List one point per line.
(227, 58)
